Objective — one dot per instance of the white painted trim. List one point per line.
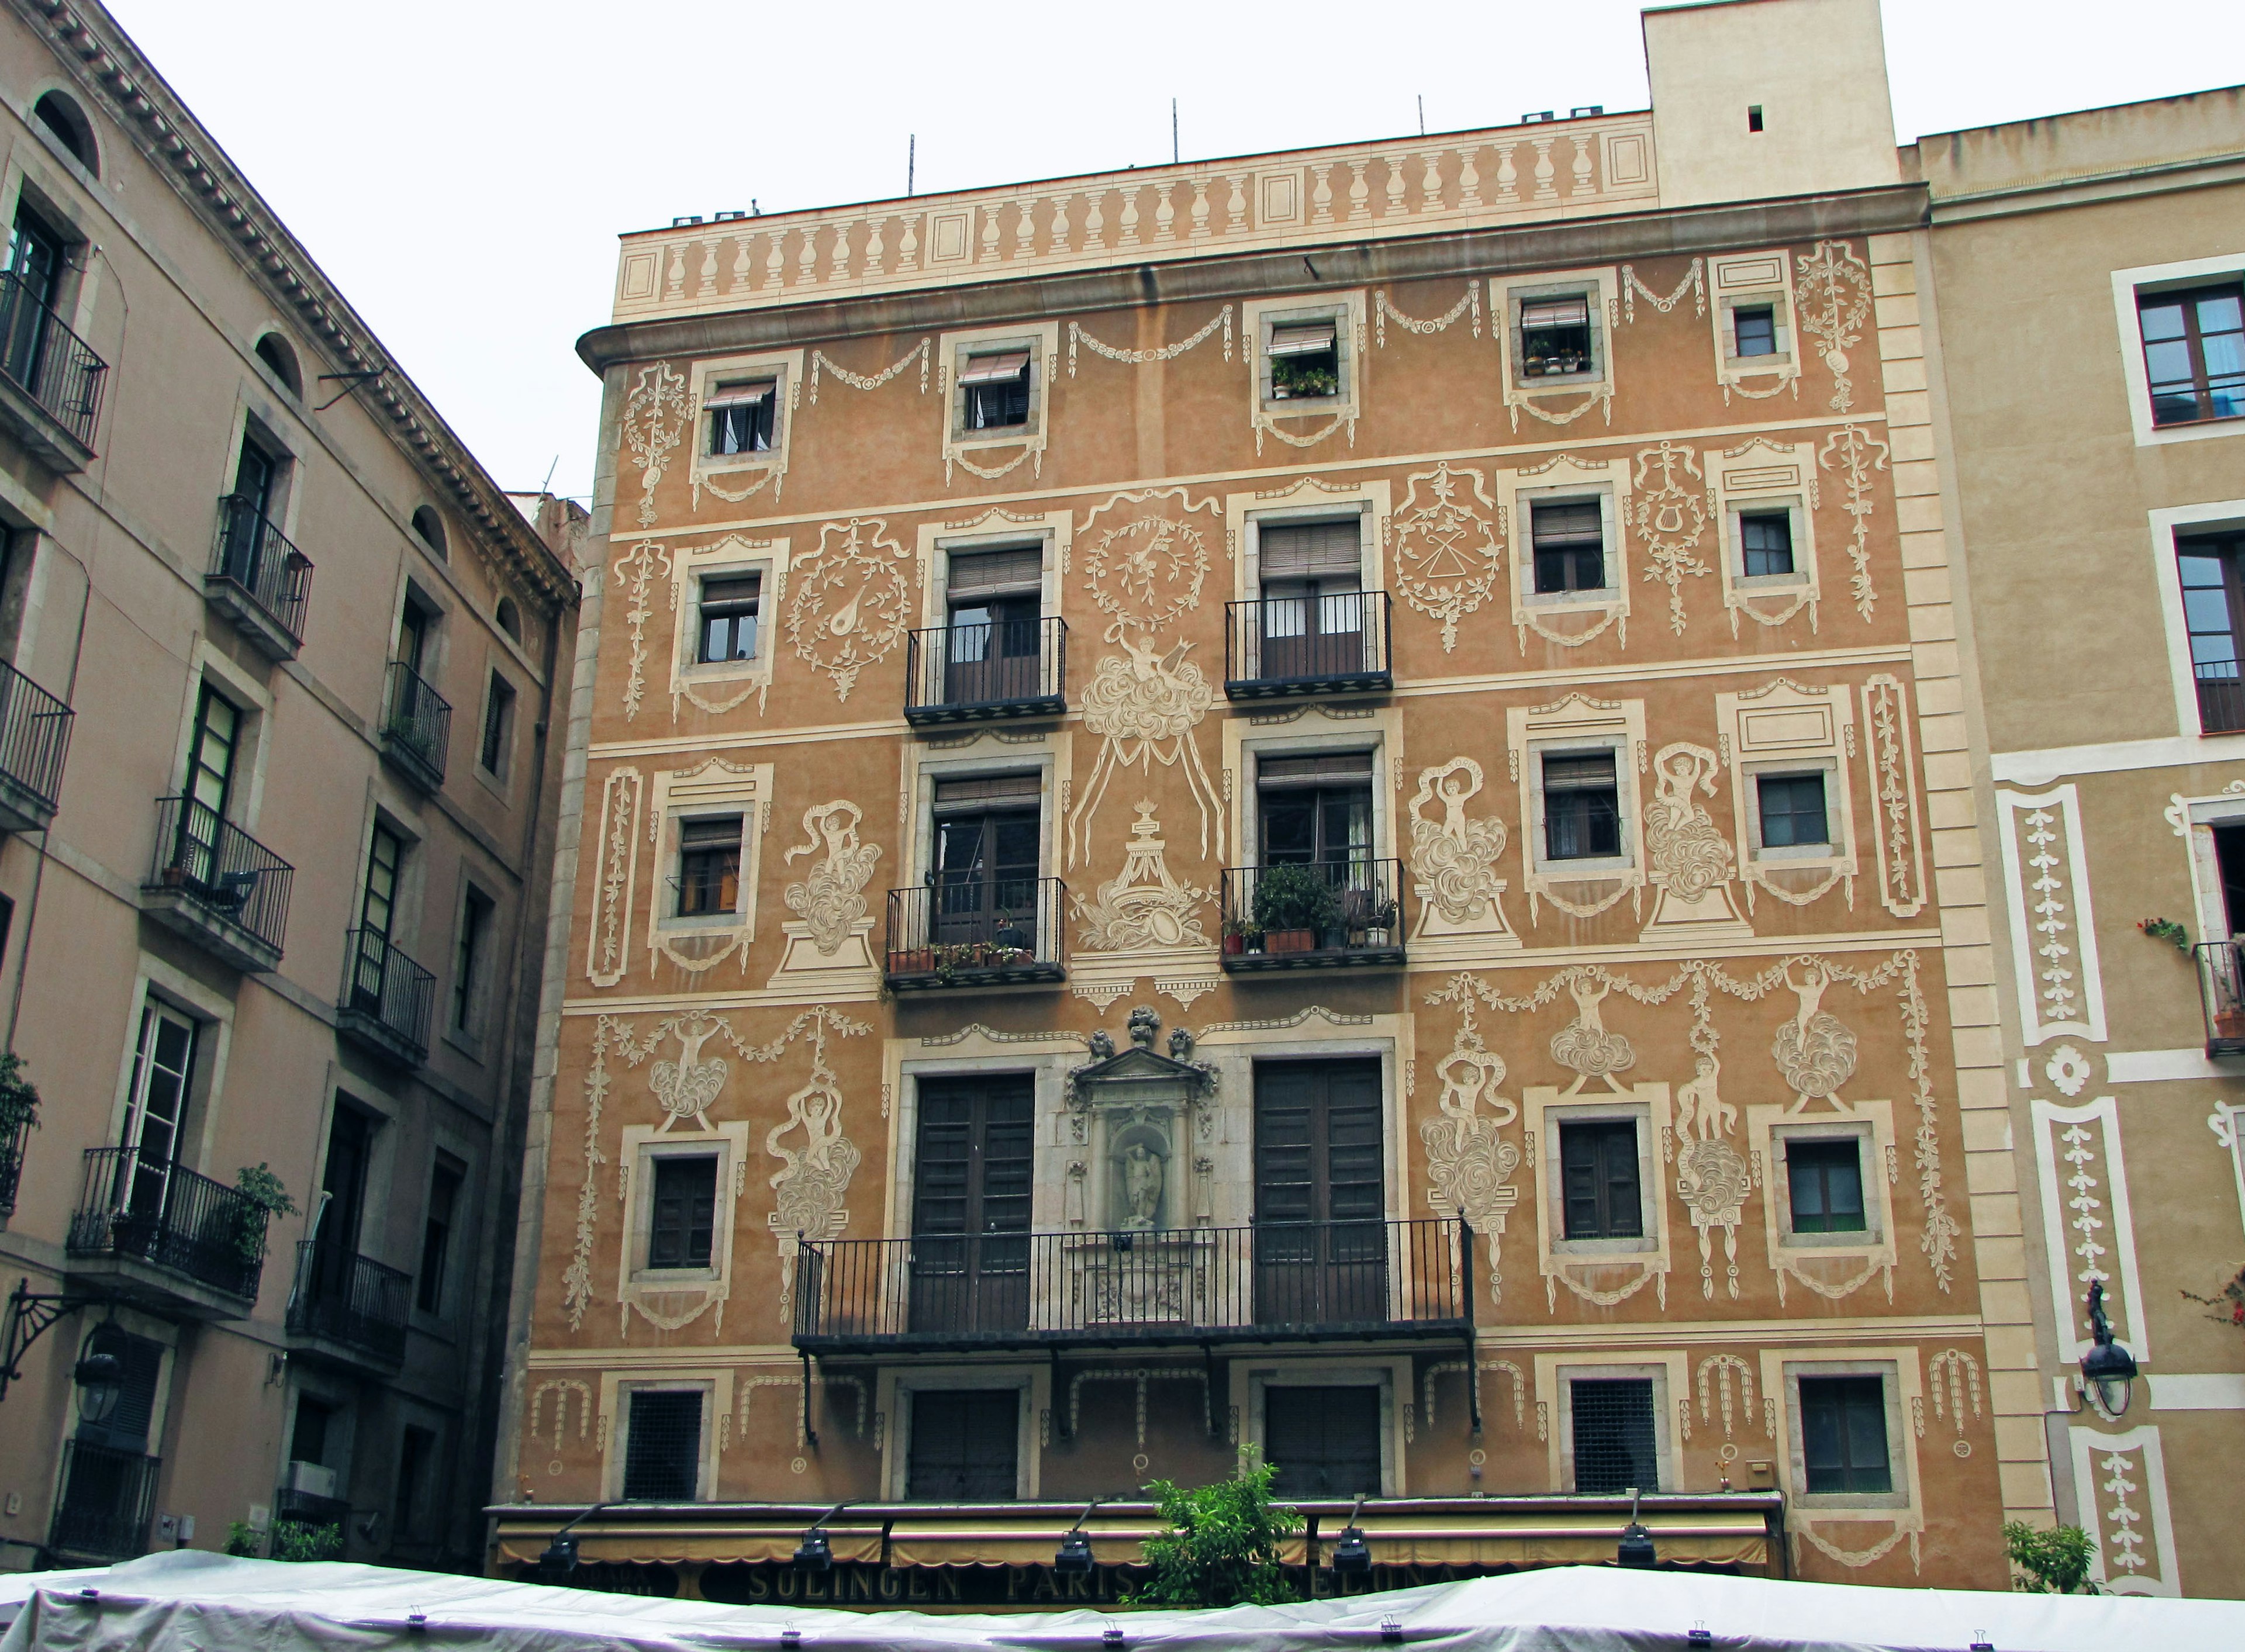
(2198, 1390)
(2041, 767)
(2089, 1443)
(2164, 523)
(2165, 1067)
(2125, 285)
(2113, 1230)
(2228, 1123)
(2072, 915)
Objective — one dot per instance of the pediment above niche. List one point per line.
(1144, 1120)
(1140, 1074)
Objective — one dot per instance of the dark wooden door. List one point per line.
(971, 1204)
(1324, 1442)
(1320, 1198)
(334, 1253)
(966, 1445)
(991, 652)
(986, 878)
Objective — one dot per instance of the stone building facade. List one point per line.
(275, 656)
(1319, 803)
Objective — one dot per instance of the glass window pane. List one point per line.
(2162, 321)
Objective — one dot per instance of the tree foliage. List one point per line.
(2055, 1562)
(1221, 1543)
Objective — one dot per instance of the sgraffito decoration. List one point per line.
(636, 570)
(832, 898)
(1852, 454)
(1144, 906)
(616, 864)
(1446, 549)
(813, 1178)
(1670, 516)
(655, 416)
(1691, 859)
(1831, 296)
(1893, 764)
(1469, 1166)
(1454, 859)
(821, 362)
(854, 602)
(1383, 312)
(1137, 358)
(1694, 282)
(1711, 1177)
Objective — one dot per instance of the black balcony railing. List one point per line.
(344, 1297)
(2220, 697)
(2222, 995)
(1272, 1282)
(16, 1124)
(138, 1206)
(1000, 669)
(106, 1497)
(255, 557)
(224, 871)
(386, 994)
(417, 725)
(1307, 644)
(35, 731)
(975, 931)
(307, 1526)
(1302, 914)
(48, 362)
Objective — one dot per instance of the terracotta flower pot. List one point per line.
(1290, 940)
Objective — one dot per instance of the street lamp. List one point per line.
(1635, 1549)
(1351, 1556)
(2108, 1370)
(100, 1379)
(1074, 1558)
(813, 1554)
(560, 1559)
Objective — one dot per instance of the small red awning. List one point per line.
(989, 370)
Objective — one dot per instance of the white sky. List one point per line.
(461, 167)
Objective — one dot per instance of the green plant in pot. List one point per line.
(238, 1225)
(1294, 905)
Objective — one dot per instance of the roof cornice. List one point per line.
(106, 62)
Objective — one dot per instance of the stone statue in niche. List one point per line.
(1815, 1053)
(1691, 860)
(1143, 1170)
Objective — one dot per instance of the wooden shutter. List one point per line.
(990, 572)
(1310, 550)
(1318, 1154)
(965, 1446)
(1598, 1167)
(1325, 1441)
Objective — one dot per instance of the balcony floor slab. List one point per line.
(178, 909)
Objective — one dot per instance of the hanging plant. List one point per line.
(2166, 929)
(2227, 1308)
(19, 1097)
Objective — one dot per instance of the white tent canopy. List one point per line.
(192, 1600)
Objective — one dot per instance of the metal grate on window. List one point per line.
(1615, 1447)
(663, 1455)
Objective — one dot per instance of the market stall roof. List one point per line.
(188, 1599)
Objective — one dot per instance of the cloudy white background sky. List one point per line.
(461, 167)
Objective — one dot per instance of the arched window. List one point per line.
(510, 621)
(273, 351)
(430, 527)
(60, 115)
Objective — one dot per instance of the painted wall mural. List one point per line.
(832, 898)
(1469, 1163)
(1692, 859)
(1144, 906)
(1831, 297)
(813, 1178)
(1445, 545)
(853, 602)
(1670, 516)
(655, 416)
(1454, 858)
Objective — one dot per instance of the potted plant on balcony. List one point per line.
(1379, 923)
(1294, 906)
(236, 1229)
(1236, 933)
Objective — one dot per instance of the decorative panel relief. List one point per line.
(2054, 932)
(1572, 726)
(1785, 727)
(2088, 1233)
(2121, 1482)
(712, 789)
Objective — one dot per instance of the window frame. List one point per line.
(1600, 287)
(467, 1000)
(2193, 338)
(444, 1312)
(1252, 1385)
(1041, 340)
(500, 699)
(717, 471)
(1826, 769)
(2129, 286)
(1870, 1164)
(1853, 1142)
(678, 826)
(1551, 1121)
(1564, 479)
(896, 1385)
(643, 1147)
(704, 1468)
(1895, 1374)
(1628, 836)
(720, 686)
(1607, 1211)
(1752, 280)
(1670, 1376)
(656, 1165)
(1348, 313)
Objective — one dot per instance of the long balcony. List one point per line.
(1275, 1282)
(258, 579)
(416, 727)
(106, 1498)
(35, 731)
(1324, 644)
(977, 673)
(350, 1306)
(163, 1233)
(218, 886)
(50, 380)
(977, 932)
(2221, 994)
(1313, 915)
(385, 999)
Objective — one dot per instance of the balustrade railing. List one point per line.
(2221, 994)
(139, 1207)
(106, 1499)
(49, 363)
(998, 668)
(35, 731)
(1313, 913)
(388, 989)
(417, 722)
(1304, 645)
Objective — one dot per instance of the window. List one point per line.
(994, 390)
(1570, 546)
(741, 416)
(249, 550)
(726, 618)
(966, 1445)
(509, 618)
(437, 1236)
(36, 263)
(987, 838)
(2194, 352)
(1598, 1182)
(163, 1073)
(1555, 336)
(993, 604)
(708, 866)
(309, 1437)
(1843, 1434)
(1320, 1193)
(476, 912)
(429, 527)
(377, 910)
(209, 788)
(1312, 608)
(662, 1451)
(1582, 806)
(1793, 813)
(1765, 544)
(1825, 1178)
(1615, 1445)
(1755, 329)
(1325, 1441)
(1315, 810)
(2213, 597)
(1753, 123)
(61, 116)
(974, 1168)
(683, 1218)
(330, 1289)
(415, 623)
(498, 728)
(1304, 360)
(273, 351)
(417, 1458)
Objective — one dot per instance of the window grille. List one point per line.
(663, 1457)
(1614, 1445)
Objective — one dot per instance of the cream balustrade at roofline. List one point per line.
(1548, 171)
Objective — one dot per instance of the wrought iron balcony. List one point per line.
(1317, 914)
(258, 579)
(15, 1133)
(993, 931)
(50, 380)
(2220, 697)
(1275, 1282)
(416, 727)
(385, 997)
(217, 885)
(352, 1301)
(35, 731)
(2222, 995)
(1335, 644)
(139, 1208)
(1002, 668)
(106, 1500)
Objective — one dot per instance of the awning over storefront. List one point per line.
(975, 1542)
(1553, 1538)
(621, 1540)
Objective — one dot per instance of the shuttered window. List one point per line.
(1843, 1434)
(682, 1228)
(983, 573)
(1310, 550)
(965, 1445)
(1317, 1141)
(1324, 1441)
(1597, 1169)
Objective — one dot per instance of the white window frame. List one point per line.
(1758, 477)
(1869, 1253)
(715, 470)
(720, 686)
(995, 529)
(1750, 779)
(2169, 524)
(1348, 313)
(716, 1388)
(1785, 728)
(1601, 287)
(1753, 280)
(992, 763)
(1041, 340)
(2149, 280)
(1556, 1375)
(1562, 479)
(1549, 1120)
(1897, 1371)
(714, 788)
(1388, 1377)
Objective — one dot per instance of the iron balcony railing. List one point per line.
(999, 669)
(389, 989)
(977, 931)
(49, 363)
(138, 1207)
(307, 1526)
(344, 1297)
(1302, 914)
(2220, 697)
(418, 720)
(35, 731)
(221, 868)
(106, 1500)
(254, 554)
(1272, 1282)
(2222, 995)
(1307, 644)
(16, 1124)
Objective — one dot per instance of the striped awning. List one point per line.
(979, 1541)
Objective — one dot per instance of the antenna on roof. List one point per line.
(1422, 114)
(1173, 132)
(546, 486)
(911, 160)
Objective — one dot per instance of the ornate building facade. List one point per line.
(1319, 803)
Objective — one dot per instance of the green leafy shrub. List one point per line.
(2055, 1562)
(1220, 1543)
(1294, 898)
(264, 1197)
(306, 1540)
(242, 1539)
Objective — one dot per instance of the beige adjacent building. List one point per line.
(2089, 274)
(277, 658)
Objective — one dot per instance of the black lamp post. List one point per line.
(1074, 1558)
(1635, 1549)
(100, 1379)
(560, 1560)
(1351, 1556)
(2108, 1370)
(813, 1554)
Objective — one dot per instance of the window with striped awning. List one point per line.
(1310, 550)
(1555, 312)
(990, 369)
(1302, 338)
